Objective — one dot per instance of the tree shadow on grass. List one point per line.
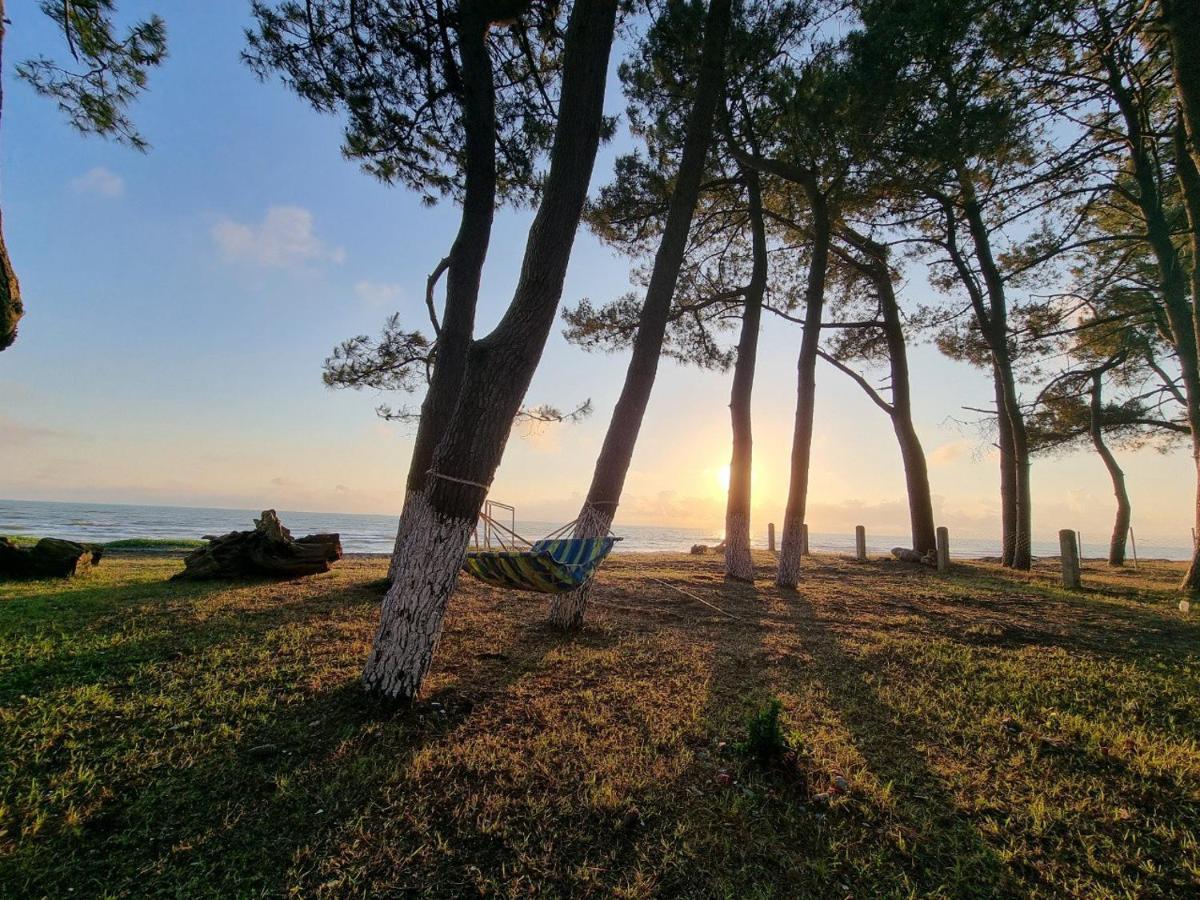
(231, 806)
(918, 834)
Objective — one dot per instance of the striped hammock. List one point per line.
(552, 566)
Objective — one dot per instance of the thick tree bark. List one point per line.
(616, 453)
(791, 542)
(434, 535)
(1116, 546)
(11, 308)
(467, 254)
(739, 562)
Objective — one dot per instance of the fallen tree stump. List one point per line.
(48, 558)
(267, 550)
(905, 555)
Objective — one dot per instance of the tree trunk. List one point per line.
(791, 542)
(468, 252)
(1182, 19)
(11, 308)
(434, 536)
(739, 563)
(916, 470)
(1116, 547)
(1188, 175)
(616, 453)
(1181, 315)
(994, 327)
(1008, 479)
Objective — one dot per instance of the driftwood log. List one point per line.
(48, 558)
(905, 555)
(267, 550)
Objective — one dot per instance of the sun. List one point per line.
(722, 476)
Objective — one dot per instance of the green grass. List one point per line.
(28, 540)
(1000, 737)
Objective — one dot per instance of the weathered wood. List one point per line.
(943, 549)
(267, 550)
(804, 540)
(904, 554)
(1067, 542)
(48, 558)
(860, 543)
(771, 536)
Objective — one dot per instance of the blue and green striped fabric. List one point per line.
(548, 567)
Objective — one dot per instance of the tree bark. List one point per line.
(433, 537)
(1116, 546)
(467, 254)
(1181, 315)
(1008, 478)
(916, 469)
(11, 308)
(616, 453)
(791, 542)
(739, 563)
(993, 325)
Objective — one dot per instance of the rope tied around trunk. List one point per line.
(432, 474)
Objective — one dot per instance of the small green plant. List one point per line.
(765, 741)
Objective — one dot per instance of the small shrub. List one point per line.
(765, 742)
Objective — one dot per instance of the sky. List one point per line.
(180, 304)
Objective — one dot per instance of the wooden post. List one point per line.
(1133, 540)
(804, 539)
(1079, 544)
(1070, 558)
(860, 542)
(771, 536)
(943, 549)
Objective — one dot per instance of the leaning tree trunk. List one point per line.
(791, 541)
(912, 454)
(467, 254)
(1116, 546)
(993, 325)
(434, 536)
(1181, 315)
(616, 453)
(739, 563)
(1187, 163)
(11, 308)
(1008, 479)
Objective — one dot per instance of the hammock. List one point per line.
(548, 566)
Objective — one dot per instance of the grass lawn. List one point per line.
(999, 737)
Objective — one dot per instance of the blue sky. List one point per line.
(180, 304)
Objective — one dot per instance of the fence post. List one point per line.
(1070, 558)
(804, 539)
(943, 549)
(771, 536)
(860, 542)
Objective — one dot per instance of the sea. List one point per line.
(100, 523)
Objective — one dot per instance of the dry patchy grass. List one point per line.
(999, 737)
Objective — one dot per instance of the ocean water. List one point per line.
(374, 534)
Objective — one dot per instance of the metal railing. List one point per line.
(490, 533)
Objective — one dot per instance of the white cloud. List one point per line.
(101, 181)
(379, 294)
(283, 239)
(949, 453)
